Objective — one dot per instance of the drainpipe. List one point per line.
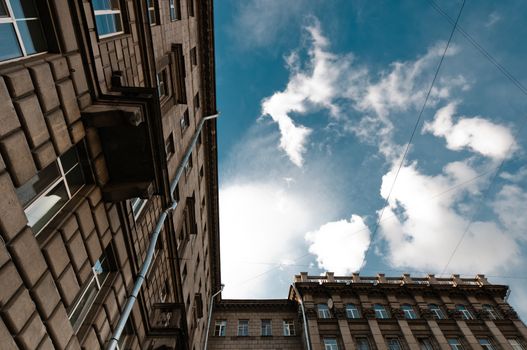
(210, 315)
(112, 344)
(303, 316)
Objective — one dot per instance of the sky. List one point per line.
(331, 160)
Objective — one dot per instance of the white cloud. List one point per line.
(511, 206)
(474, 133)
(494, 18)
(518, 176)
(426, 226)
(340, 245)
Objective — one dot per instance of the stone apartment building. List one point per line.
(366, 313)
(106, 123)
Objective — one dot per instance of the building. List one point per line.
(106, 122)
(363, 313)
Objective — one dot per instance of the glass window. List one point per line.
(393, 344)
(163, 85)
(425, 344)
(84, 301)
(152, 13)
(516, 345)
(289, 328)
(137, 206)
(464, 312)
(352, 311)
(409, 312)
(243, 328)
(363, 344)
(175, 10)
(190, 5)
(323, 311)
(20, 29)
(267, 328)
(455, 344)
(330, 344)
(108, 17)
(221, 327)
(380, 311)
(47, 192)
(436, 311)
(184, 122)
(485, 344)
(491, 312)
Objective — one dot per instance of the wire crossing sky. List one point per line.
(317, 170)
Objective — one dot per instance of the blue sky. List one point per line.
(318, 100)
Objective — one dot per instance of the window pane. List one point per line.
(10, 47)
(75, 179)
(24, 8)
(105, 4)
(32, 36)
(362, 344)
(3, 9)
(45, 207)
(69, 159)
(101, 269)
(108, 24)
(82, 306)
(38, 184)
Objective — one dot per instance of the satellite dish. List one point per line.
(330, 303)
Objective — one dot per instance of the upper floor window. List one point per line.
(330, 344)
(175, 10)
(323, 311)
(137, 206)
(425, 344)
(152, 12)
(380, 311)
(352, 311)
(464, 312)
(243, 328)
(363, 343)
(82, 305)
(47, 192)
(221, 327)
(409, 312)
(20, 29)
(393, 344)
(436, 311)
(184, 122)
(108, 17)
(493, 314)
(266, 328)
(485, 344)
(455, 344)
(190, 5)
(163, 84)
(289, 328)
(516, 345)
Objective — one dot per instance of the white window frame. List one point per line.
(243, 328)
(352, 311)
(138, 204)
(289, 328)
(380, 311)
(330, 343)
(436, 310)
(267, 328)
(409, 312)
(109, 12)
(485, 344)
(152, 6)
(467, 315)
(10, 19)
(491, 311)
(516, 345)
(323, 311)
(220, 328)
(455, 344)
(172, 9)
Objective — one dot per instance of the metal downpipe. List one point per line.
(303, 316)
(210, 316)
(123, 318)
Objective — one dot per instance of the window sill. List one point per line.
(114, 36)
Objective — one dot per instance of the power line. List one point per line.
(481, 49)
(417, 122)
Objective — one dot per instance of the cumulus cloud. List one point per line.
(427, 224)
(474, 133)
(340, 245)
(510, 206)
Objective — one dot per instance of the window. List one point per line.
(175, 10)
(493, 314)
(485, 344)
(188, 165)
(464, 312)
(380, 311)
(47, 192)
(152, 11)
(138, 205)
(163, 84)
(20, 29)
(289, 328)
(184, 122)
(409, 312)
(267, 330)
(352, 311)
(221, 327)
(393, 344)
(180, 73)
(201, 171)
(363, 343)
(330, 344)
(516, 345)
(108, 17)
(455, 344)
(425, 344)
(196, 101)
(243, 328)
(170, 148)
(190, 5)
(323, 311)
(81, 306)
(436, 311)
(193, 57)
